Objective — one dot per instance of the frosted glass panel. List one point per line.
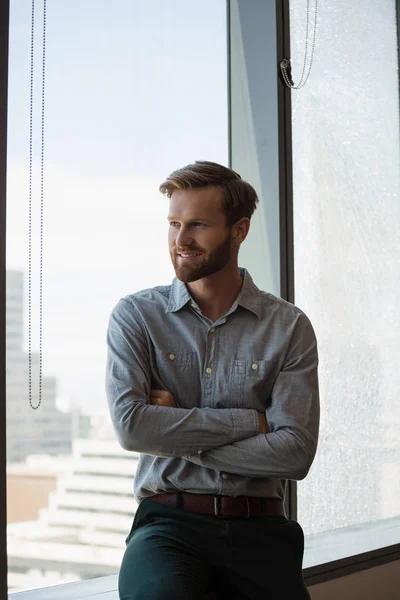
(347, 257)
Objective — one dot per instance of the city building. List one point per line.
(81, 533)
(43, 431)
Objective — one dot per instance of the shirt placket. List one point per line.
(210, 366)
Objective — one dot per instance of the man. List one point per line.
(215, 383)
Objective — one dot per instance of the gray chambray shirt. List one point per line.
(261, 356)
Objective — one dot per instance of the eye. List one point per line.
(174, 224)
(197, 224)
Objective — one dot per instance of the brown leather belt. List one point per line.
(226, 507)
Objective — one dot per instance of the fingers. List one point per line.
(162, 402)
(162, 398)
(160, 394)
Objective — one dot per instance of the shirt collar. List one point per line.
(179, 296)
(249, 296)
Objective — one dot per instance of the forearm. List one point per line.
(284, 454)
(177, 432)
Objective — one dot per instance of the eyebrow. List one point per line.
(194, 220)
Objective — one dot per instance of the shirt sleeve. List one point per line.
(158, 430)
(288, 451)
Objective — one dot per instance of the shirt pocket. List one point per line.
(175, 372)
(251, 383)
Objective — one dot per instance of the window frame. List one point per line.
(313, 575)
(4, 33)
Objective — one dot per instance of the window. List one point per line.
(131, 94)
(347, 274)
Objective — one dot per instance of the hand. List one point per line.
(162, 398)
(263, 423)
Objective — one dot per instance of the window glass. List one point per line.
(133, 91)
(347, 270)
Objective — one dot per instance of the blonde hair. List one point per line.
(239, 198)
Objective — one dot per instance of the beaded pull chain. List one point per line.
(41, 208)
(285, 63)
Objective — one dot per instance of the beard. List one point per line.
(204, 265)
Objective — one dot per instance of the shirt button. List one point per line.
(199, 451)
(209, 370)
(225, 476)
(172, 357)
(254, 366)
(212, 329)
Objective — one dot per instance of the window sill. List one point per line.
(350, 541)
(103, 588)
(337, 553)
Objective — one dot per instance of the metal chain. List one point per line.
(30, 208)
(285, 63)
(41, 210)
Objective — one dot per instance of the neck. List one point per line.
(216, 294)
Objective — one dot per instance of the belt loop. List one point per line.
(179, 500)
(248, 507)
(217, 505)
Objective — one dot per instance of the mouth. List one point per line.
(191, 257)
(188, 256)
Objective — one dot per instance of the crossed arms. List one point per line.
(233, 440)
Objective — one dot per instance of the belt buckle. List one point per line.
(217, 506)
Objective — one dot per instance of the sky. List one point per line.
(133, 90)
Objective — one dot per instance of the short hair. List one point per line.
(239, 198)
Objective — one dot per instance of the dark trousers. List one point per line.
(175, 555)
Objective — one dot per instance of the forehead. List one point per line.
(197, 203)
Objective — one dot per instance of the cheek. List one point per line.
(214, 241)
(171, 237)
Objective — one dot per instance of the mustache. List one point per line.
(183, 250)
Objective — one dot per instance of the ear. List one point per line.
(240, 230)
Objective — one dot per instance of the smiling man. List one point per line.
(214, 382)
(199, 246)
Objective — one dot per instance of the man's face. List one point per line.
(200, 243)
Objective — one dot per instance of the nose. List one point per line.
(183, 238)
